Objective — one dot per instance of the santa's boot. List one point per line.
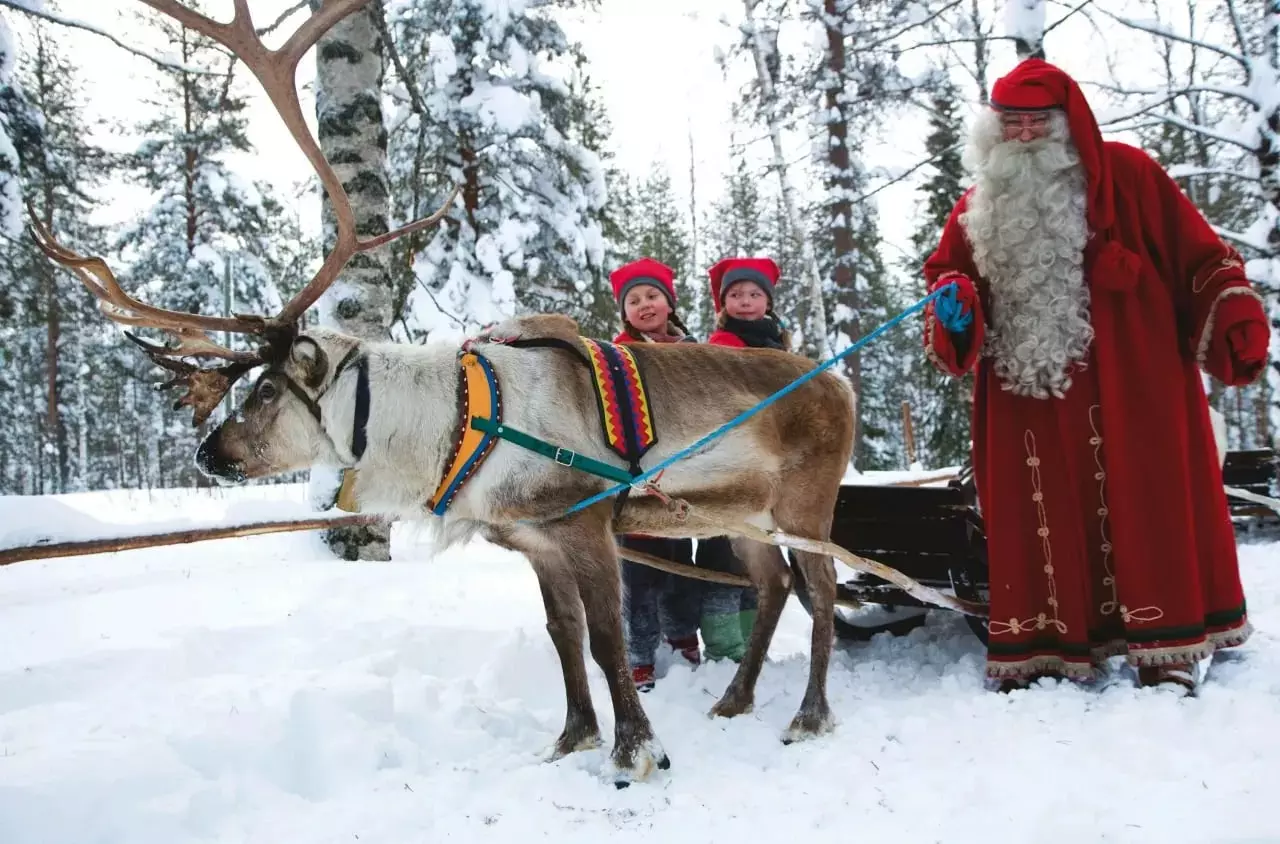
(1178, 678)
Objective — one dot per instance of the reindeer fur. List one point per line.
(781, 468)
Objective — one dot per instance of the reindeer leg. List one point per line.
(636, 752)
(566, 626)
(809, 513)
(814, 717)
(772, 579)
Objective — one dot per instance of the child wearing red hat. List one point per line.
(654, 602)
(742, 293)
(645, 291)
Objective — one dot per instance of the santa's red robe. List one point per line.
(1107, 524)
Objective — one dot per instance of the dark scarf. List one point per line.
(763, 333)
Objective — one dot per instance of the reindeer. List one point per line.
(392, 412)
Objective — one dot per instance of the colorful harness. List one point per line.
(625, 419)
(478, 398)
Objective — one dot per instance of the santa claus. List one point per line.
(1087, 292)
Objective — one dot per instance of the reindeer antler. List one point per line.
(275, 71)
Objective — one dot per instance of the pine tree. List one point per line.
(57, 352)
(526, 233)
(940, 404)
(202, 216)
(656, 230)
(588, 126)
(738, 228)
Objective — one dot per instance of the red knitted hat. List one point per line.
(644, 271)
(1036, 85)
(762, 272)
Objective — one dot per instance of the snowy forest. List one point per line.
(840, 158)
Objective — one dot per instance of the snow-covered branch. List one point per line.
(1187, 171)
(288, 13)
(944, 42)
(1149, 109)
(28, 7)
(906, 174)
(1166, 32)
(1060, 21)
(905, 28)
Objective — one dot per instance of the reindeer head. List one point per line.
(280, 427)
(267, 435)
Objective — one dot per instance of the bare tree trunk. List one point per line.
(981, 58)
(353, 136)
(840, 193)
(693, 208)
(815, 333)
(56, 432)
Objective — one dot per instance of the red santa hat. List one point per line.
(644, 271)
(762, 272)
(1036, 85)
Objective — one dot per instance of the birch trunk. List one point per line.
(353, 136)
(815, 333)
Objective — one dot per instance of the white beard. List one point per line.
(1026, 225)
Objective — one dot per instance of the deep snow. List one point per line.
(253, 691)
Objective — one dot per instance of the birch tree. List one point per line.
(813, 332)
(352, 134)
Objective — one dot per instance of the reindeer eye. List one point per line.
(266, 391)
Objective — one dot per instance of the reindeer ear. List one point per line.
(311, 361)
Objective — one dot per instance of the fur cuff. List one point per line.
(1206, 332)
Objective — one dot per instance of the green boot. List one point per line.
(747, 618)
(722, 635)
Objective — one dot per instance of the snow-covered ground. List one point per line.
(252, 690)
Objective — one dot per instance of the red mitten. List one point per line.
(1241, 337)
(966, 295)
(955, 354)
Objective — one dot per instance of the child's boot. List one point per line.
(722, 635)
(687, 647)
(642, 676)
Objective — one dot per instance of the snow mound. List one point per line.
(254, 690)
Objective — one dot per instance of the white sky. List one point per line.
(654, 60)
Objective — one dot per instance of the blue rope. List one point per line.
(748, 413)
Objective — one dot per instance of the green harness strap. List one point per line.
(563, 456)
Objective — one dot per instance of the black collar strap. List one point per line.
(359, 432)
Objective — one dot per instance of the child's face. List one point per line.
(746, 301)
(646, 309)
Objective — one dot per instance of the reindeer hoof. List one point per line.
(731, 705)
(566, 745)
(807, 726)
(646, 759)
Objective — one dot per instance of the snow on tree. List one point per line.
(496, 120)
(759, 41)
(202, 216)
(1214, 121)
(1024, 23)
(738, 224)
(940, 404)
(13, 111)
